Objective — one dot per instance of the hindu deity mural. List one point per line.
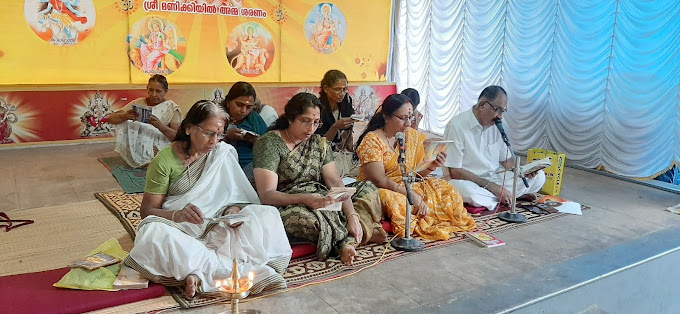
(60, 22)
(250, 49)
(365, 101)
(156, 46)
(7, 118)
(93, 118)
(326, 28)
(218, 95)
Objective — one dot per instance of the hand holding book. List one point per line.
(338, 195)
(435, 152)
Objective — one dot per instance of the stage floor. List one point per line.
(463, 276)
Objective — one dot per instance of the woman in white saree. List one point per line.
(195, 178)
(138, 142)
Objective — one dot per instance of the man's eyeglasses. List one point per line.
(210, 134)
(308, 123)
(498, 110)
(340, 89)
(406, 119)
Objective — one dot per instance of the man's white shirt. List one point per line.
(476, 149)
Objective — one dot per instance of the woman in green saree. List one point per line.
(294, 171)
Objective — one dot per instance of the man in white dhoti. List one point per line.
(478, 160)
(195, 178)
(137, 142)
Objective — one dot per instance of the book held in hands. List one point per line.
(143, 113)
(535, 165)
(339, 195)
(230, 218)
(432, 149)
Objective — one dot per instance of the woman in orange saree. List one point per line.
(437, 207)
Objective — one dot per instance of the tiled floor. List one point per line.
(620, 212)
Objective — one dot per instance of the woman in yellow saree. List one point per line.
(437, 207)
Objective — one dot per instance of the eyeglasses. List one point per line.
(308, 123)
(498, 110)
(406, 119)
(210, 134)
(340, 90)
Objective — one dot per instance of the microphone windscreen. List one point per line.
(399, 136)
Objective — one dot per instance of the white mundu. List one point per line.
(135, 141)
(175, 250)
(481, 150)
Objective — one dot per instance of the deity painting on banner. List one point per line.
(60, 22)
(365, 102)
(156, 46)
(250, 49)
(326, 28)
(92, 116)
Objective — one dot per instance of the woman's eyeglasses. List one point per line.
(308, 123)
(339, 90)
(210, 134)
(406, 119)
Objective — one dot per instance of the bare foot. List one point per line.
(378, 237)
(190, 289)
(348, 254)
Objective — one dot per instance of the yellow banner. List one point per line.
(191, 41)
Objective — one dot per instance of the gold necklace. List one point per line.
(291, 139)
(391, 146)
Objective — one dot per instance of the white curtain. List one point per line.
(598, 80)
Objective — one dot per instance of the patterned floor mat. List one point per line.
(308, 270)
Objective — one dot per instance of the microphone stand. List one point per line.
(407, 243)
(513, 215)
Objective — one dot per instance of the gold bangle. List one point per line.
(173, 216)
(428, 168)
(353, 214)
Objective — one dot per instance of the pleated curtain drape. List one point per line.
(597, 80)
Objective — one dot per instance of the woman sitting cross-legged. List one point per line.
(438, 208)
(294, 170)
(138, 142)
(195, 178)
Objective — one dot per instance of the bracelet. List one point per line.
(428, 168)
(173, 215)
(353, 214)
(487, 184)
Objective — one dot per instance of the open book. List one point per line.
(535, 165)
(339, 195)
(230, 218)
(143, 113)
(432, 149)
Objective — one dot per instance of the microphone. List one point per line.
(499, 125)
(402, 158)
(400, 139)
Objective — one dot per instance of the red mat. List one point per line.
(304, 249)
(34, 293)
